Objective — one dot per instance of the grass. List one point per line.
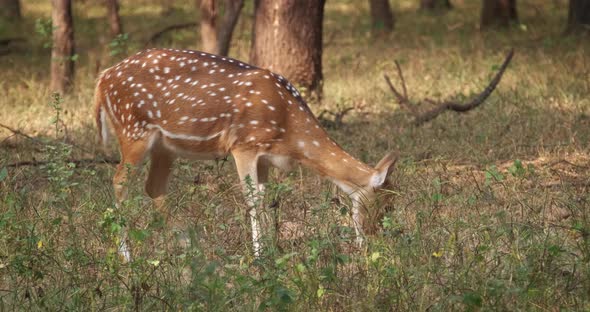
(488, 210)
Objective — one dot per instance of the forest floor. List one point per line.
(488, 209)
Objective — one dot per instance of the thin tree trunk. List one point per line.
(62, 52)
(114, 18)
(208, 23)
(382, 19)
(166, 7)
(287, 39)
(498, 12)
(216, 37)
(228, 24)
(578, 16)
(10, 9)
(435, 4)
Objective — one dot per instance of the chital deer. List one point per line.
(168, 103)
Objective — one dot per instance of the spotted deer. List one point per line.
(167, 103)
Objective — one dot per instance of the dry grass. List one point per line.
(488, 210)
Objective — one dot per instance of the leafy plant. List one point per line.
(493, 175)
(44, 29)
(119, 45)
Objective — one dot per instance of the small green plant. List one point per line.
(119, 45)
(60, 171)
(44, 29)
(493, 175)
(437, 195)
(3, 174)
(58, 168)
(516, 169)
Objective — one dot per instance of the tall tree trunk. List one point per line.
(62, 52)
(287, 39)
(208, 11)
(435, 4)
(10, 9)
(498, 12)
(382, 19)
(114, 18)
(579, 15)
(228, 24)
(166, 7)
(216, 37)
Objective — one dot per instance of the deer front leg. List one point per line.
(357, 218)
(132, 155)
(250, 174)
(156, 185)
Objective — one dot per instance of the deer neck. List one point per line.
(334, 163)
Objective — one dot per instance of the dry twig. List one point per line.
(440, 107)
(18, 132)
(77, 162)
(338, 116)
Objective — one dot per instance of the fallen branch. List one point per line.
(37, 140)
(160, 33)
(574, 183)
(18, 132)
(420, 118)
(338, 116)
(77, 162)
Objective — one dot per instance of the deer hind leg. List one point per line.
(132, 155)
(156, 186)
(252, 176)
(358, 218)
(262, 171)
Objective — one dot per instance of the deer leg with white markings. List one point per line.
(132, 156)
(356, 218)
(252, 175)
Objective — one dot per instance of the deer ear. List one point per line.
(384, 169)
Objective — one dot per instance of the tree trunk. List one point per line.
(166, 7)
(62, 52)
(579, 15)
(435, 4)
(208, 11)
(10, 9)
(114, 18)
(287, 39)
(228, 24)
(216, 38)
(382, 19)
(498, 12)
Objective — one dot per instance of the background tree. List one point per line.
(113, 17)
(578, 15)
(216, 37)
(166, 7)
(287, 39)
(498, 12)
(382, 19)
(10, 9)
(435, 4)
(232, 9)
(62, 52)
(208, 23)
